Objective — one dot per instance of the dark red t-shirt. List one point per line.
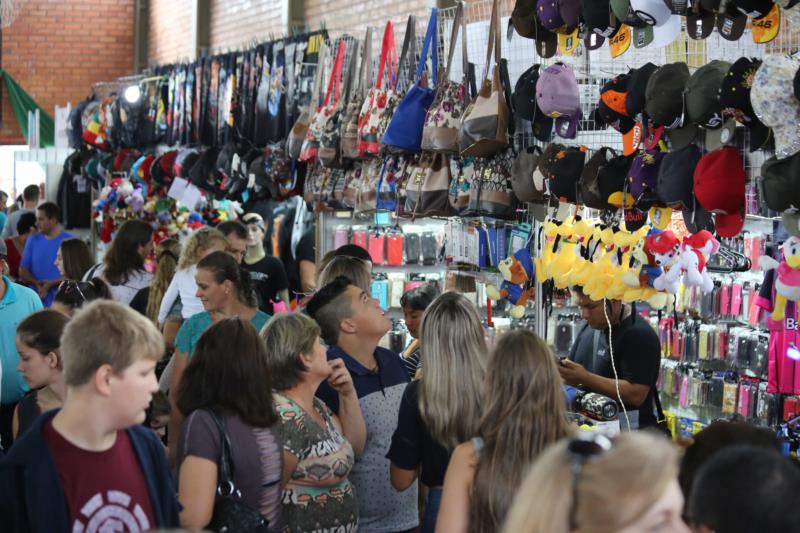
(106, 491)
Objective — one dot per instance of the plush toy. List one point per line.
(787, 276)
(696, 251)
(517, 271)
(136, 200)
(666, 251)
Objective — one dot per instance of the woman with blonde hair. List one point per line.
(201, 243)
(356, 269)
(592, 484)
(524, 411)
(442, 408)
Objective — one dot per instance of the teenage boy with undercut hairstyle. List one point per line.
(352, 323)
(91, 466)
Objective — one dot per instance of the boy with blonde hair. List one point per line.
(93, 455)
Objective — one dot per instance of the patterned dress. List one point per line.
(318, 497)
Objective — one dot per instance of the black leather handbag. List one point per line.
(231, 514)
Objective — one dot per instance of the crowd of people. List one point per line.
(209, 384)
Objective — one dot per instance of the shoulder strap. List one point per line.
(457, 20)
(431, 43)
(409, 50)
(225, 484)
(318, 76)
(90, 274)
(365, 74)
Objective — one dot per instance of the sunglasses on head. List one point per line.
(69, 286)
(584, 447)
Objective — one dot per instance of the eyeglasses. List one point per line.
(68, 286)
(585, 447)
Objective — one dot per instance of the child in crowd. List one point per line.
(201, 243)
(91, 465)
(352, 323)
(38, 344)
(71, 295)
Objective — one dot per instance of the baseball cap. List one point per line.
(753, 8)
(184, 160)
(657, 36)
(623, 10)
(255, 219)
(611, 179)
(558, 97)
(664, 94)
(526, 22)
(570, 11)
(598, 19)
(676, 177)
(548, 157)
(734, 96)
(699, 21)
(525, 105)
(550, 16)
(780, 183)
(731, 23)
(774, 103)
(719, 185)
(589, 186)
(702, 94)
(565, 172)
(637, 85)
(161, 170)
(643, 178)
(653, 12)
(767, 27)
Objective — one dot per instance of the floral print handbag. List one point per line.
(440, 133)
(380, 102)
(328, 111)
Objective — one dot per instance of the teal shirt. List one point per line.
(3, 218)
(192, 328)
(17, 303)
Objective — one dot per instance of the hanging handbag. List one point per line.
(491, 193)
(230, 512)
(442, 123)
(379, 101)
(522, 176)
(461, 183)
(325, 112)
(351, 186)
(404, 133)
(386, 195)
(297, 135)
(484, 130)
(367, 190)
(349, 141)
(428, 186)
(330, 141)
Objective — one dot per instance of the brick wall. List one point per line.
(236, 23)
(170, 31)
(353, 16)
(57, 50)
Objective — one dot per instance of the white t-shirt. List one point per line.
(122, 293)
(183, 285)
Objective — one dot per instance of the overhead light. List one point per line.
(133, 93)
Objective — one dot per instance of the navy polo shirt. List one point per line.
(381, 508)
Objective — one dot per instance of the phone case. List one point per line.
(360, 238)
(341, 237)
(376, 245)
(394, 249)
(429, 249)
(412, 248)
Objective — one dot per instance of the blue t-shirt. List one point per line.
(17, 303)
(39, 257)
(194, 326)
(3, 218)
(381, 508)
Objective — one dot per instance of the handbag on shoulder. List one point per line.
(484, 130)
(230, 513)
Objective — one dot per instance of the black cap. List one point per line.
(637, 86)
(752, 8)
(734, 97)
(203, 173)
(702, 94)
(611, 178)
(598, 18)
(589, 186)
(565, 173)
(676, 177)
(780, 182)
(700, 22)
(730, 24)
(184, 161)
(664, 94)
(527, 24)
(526, 107)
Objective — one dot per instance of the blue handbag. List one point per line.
(404, 132)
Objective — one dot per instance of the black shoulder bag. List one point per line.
(231, 514)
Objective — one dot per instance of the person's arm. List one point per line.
(175, 416)
(15, 422)
(405, 451)
(633, 394)
(308, 275)
(290, 462)
(27, 277)
(453, 514)
(168, 299)
(350, 416)
(284, 296)
(197, 490)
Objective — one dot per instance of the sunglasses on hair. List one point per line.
(70, 286)
(584, 447)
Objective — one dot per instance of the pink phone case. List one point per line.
(376, 248)
(340, 237)
(360, 238)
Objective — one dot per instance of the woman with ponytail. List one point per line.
(225, 292)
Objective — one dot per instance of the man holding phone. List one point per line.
(633, 361)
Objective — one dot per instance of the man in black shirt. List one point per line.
(636, 357)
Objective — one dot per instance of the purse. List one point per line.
(367, 186)
(522, 170)
(404, 132)
(491, 193)
(461, 183)
(297, 135)
(230, 513)
(428, 186)
(440, 132)
(326, 112)
(379, 102)
(484, 129)
(349, 134)
(330, 142)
